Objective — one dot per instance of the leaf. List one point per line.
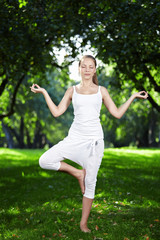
(121, 203)
(97, 205)
(27, 220)
(114, 223)
(147, 238)
(45, 204)
(156, 220)
(96, 227)
(59, 220)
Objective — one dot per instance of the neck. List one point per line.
(86, 83)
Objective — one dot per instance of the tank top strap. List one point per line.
(99, 88)
(74, 88)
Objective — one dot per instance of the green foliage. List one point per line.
(124, 34)
(39, 204)
(36, 116)
(140, 124)
(127, 34)
(28, 35)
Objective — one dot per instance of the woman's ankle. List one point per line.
(84, 227)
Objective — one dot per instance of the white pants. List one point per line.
(87, 153)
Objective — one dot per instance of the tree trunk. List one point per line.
(151, 129)
(8, 135)
(21, 137)
(29, 144)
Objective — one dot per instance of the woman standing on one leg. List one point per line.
(84, 143)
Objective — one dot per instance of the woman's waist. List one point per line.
(86, 120)
(86, 130)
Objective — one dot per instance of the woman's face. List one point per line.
(87, 68)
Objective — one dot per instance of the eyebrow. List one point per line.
(89, 65)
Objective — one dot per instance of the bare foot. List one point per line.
(84, 228)
(81, 178)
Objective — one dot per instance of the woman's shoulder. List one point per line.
(69, 91)
(103, 89)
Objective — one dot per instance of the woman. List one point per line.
(84, 143)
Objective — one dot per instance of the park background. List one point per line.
(41, 42)
(123, 36)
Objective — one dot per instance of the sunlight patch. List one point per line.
(45, 174)
(13, 210)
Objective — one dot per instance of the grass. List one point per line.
(36, 204)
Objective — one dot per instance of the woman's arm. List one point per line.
(63, 105)
(119, 112)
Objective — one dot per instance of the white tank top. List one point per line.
(86, 123)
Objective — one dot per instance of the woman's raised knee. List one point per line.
(49, 162)
(42, 161)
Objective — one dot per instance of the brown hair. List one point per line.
(94, 79)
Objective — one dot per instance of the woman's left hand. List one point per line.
(142, 95)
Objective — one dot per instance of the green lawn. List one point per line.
(37, 204)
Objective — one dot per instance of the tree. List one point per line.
(127, 34)
(140, 124)
(123, 32)
(28, 33)
(33, 126)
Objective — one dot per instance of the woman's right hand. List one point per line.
(37, 89)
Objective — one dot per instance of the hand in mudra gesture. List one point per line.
(37, 89)
(141, 94)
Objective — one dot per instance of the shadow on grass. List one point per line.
(36, 203)
(130, 174)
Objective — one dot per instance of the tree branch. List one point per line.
(153, 103)
(156, 87)
(11, 111)
(151, 100)
(61, 67)
(1, 74)
(3, 84)
(148, 74)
